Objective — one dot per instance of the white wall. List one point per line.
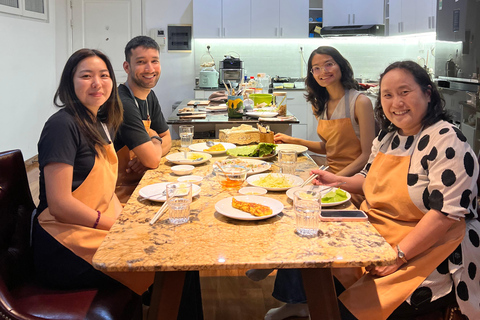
(178, 77)
(27, 81)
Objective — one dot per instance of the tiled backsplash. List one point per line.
(369, 56)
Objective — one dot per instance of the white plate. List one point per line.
(298, 148)
(192, 179)
(295, 180)
(154, 192)
(292, 190)
(203, 145)
(179, 158)
(253, 165)
(254, 191)
(224, 207)
(266, 114)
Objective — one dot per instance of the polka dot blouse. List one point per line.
(443, 170)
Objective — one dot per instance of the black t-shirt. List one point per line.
(132, 132)
(62, 141)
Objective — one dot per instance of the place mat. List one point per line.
(198, 102)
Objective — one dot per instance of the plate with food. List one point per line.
(274, 181)
(263, 114)
(254, 166)
(288, 146)
(217, 148)
(192, 157)
(334, 197)
(156, 191)
(257, 151)
(249, 207)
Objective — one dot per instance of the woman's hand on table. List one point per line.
(325, 178)
(282, 138)
(382, 271)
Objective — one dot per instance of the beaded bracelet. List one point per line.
(96, 221)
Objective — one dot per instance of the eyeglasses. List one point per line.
(327, 67)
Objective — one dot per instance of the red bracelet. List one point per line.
(96, 221)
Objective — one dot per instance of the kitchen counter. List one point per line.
(209, 126)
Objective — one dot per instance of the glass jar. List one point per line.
(280, 100)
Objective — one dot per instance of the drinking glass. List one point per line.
(287, 160)
(186, 137)
(179, 198)
(307, 207)
(231, 176)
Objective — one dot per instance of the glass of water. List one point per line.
(307, 206)
(186, 137)
(179, 198)
(287, 160)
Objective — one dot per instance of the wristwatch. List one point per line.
(158, 138)
(401, 254)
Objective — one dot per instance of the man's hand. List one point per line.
(136, 166)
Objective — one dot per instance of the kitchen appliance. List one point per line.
(362, 30)
(208, 78)
(231, 69)
(450, 68)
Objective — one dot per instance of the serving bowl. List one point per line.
(183, 169)
(231, 176)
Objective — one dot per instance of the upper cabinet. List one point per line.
(221, 19)
(250, 19)
(279, 18)
(352, 12)
(411, 16)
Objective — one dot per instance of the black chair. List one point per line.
(21, 298)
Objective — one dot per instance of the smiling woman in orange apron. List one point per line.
(420, 190)
(346, 127)
(78, 171)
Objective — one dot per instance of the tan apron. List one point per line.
(341, 143)
(394, 215)
(96, 191)
(127, 182)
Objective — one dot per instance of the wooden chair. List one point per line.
(21, 298)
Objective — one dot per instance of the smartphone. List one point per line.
(343, 215)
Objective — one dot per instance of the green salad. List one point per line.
(334, 196)
(259, 150)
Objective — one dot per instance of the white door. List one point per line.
(207, 19)
(265, 19)
(106, 25)
(293, 18)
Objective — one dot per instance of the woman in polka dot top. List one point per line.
(421, 195)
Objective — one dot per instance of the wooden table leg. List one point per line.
(321, 295)
(166, 295)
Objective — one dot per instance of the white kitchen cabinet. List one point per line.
(352, 12)
(412, 16)
(279, 18)
(221, 19)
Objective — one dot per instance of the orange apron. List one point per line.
(394, 215)
(127, 182)
(341, 143)
(96, 191)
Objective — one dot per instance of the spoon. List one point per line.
(210, 143)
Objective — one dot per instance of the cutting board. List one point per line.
(198, 102)
(193, 113)
(194, 116)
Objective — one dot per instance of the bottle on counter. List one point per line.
(259, 83)
(247, 101)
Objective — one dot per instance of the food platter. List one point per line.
(199, 147)
(291, 191)
(179, 157)
(287, 146)
(225, 208)
(155, 192)
(294, 181)
(254, 166)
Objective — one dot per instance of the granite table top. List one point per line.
(212, 241)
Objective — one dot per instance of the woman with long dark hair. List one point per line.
(346, 124)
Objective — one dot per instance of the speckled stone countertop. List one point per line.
(212, 241)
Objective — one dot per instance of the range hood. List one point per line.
(363, 30)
